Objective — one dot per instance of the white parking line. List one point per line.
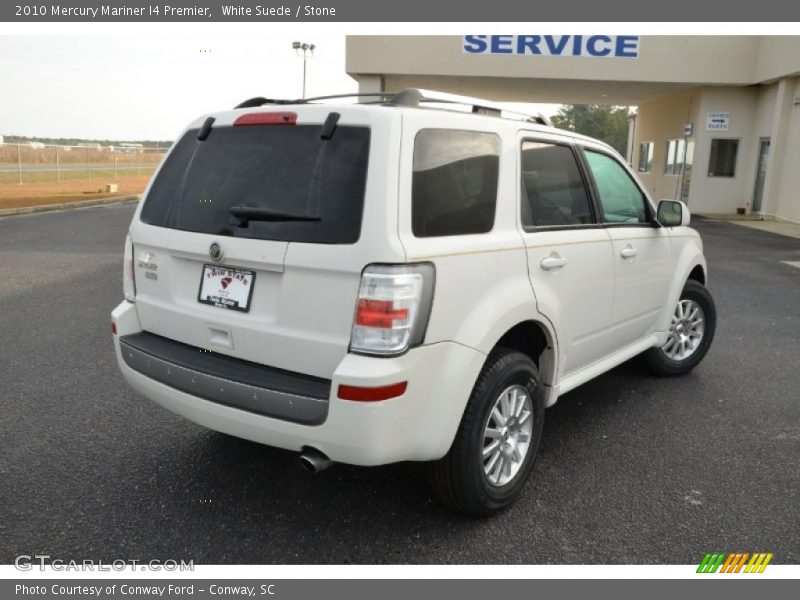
(792, 263)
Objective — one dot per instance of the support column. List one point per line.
(777, 146)
(369, 84)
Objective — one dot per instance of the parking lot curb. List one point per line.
(27, 210)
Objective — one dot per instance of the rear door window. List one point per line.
(286, 169)
(454, 187)
(553, 191)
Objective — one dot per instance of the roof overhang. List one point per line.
(665, 65)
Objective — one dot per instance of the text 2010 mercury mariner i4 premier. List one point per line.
(400, 280)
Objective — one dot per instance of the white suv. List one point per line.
(387, 281)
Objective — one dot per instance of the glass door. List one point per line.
(761, 174)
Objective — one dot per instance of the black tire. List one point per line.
(660, 363)
(458, 480)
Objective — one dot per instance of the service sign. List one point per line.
(718, 121)
(595, 46)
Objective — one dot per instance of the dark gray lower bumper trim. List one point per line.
(264, 401)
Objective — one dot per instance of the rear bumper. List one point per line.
(419, 425)
(236, 383)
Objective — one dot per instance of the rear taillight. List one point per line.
(392, 309)
(128, 284)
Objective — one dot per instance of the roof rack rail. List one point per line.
(412, 97)
(415, 97)
(259, 101)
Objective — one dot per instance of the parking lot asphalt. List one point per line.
(633, 468)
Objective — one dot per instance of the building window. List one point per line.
(645, 157)
(676, 150)
(722, 161)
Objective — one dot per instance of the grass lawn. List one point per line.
(102, 174)
(14, 195)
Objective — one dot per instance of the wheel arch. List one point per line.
(698, 274)
(534, 338)
(691, 266)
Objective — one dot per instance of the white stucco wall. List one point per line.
(725, 194)
(777, 56)
(765, 106)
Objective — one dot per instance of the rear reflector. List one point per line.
(113, 328)
(372, 394)
(267, 118)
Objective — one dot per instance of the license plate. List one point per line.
(226, 287)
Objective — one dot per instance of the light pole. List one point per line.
(307, 51)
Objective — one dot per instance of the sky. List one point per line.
(133, 88)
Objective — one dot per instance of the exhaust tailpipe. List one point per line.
(314, 461)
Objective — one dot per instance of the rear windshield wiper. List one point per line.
(245, 214)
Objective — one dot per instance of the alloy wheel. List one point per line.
(507, 435)
(686, 331)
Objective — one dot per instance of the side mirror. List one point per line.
(672, 213)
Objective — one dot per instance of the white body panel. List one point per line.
(644, 271)
(578, 297)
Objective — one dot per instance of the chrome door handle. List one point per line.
(554, 261)
(628, 252)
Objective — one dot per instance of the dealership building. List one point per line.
(717, 122)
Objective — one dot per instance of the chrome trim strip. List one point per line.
(270, 403)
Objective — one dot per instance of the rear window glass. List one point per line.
(454, 187)
(553, 193)
(281, 169)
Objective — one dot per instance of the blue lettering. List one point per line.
(556, 48)
(502, 44)
(623, 46)
(529, 44)
(576, 45)
(475, 44)
(591, 45)
(627, 46)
